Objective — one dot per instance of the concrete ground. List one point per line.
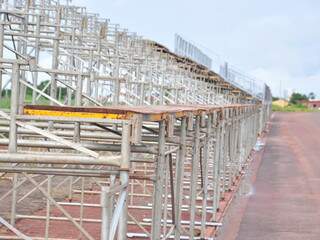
(286, 200)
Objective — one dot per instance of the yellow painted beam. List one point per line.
(36, 112)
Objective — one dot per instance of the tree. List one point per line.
(312, 95)
(297, 98)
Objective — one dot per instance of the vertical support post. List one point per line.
(14, 108)
(78, 102)
(96, 83)
(158, 185)
(179, 177)
(13, 133)
(22, 48)
(89, 84)
(82, 201)
(143, 93)
(116, 95)
(206, 153)
(37, 52)
(217, 166)
(1, 54)
(111, 200)
(106, 205)
(55, 55)
(124, 177)
(48, 208)
(78, 99)
(261, 118)
(116, 70)
(150, 86)
(194, 175)
(168, 161)
(223, 148)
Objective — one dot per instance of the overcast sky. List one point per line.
(275, 40)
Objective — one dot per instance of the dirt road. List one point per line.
(286, 200)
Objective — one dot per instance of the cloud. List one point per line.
(273, 40)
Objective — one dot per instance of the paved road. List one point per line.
(286, 203)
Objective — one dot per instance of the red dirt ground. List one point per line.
(286, 201)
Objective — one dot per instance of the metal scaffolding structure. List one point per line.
(113, 135)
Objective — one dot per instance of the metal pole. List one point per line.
(14, 108)
(1, 54)
(105, 218)
(78, 103)
(158, 185)
(55, 55)
(124, 178)
(194, 175)
(13, 133)
(37, 52)
(179, 177)
(206, 152)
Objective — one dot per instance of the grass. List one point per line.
(5, 101)
(292, 108)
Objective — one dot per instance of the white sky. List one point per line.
(275, 40)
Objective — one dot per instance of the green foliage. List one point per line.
(6, 92)
(5, 102)
(296, 98)
(275, 99)
(292, 108)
